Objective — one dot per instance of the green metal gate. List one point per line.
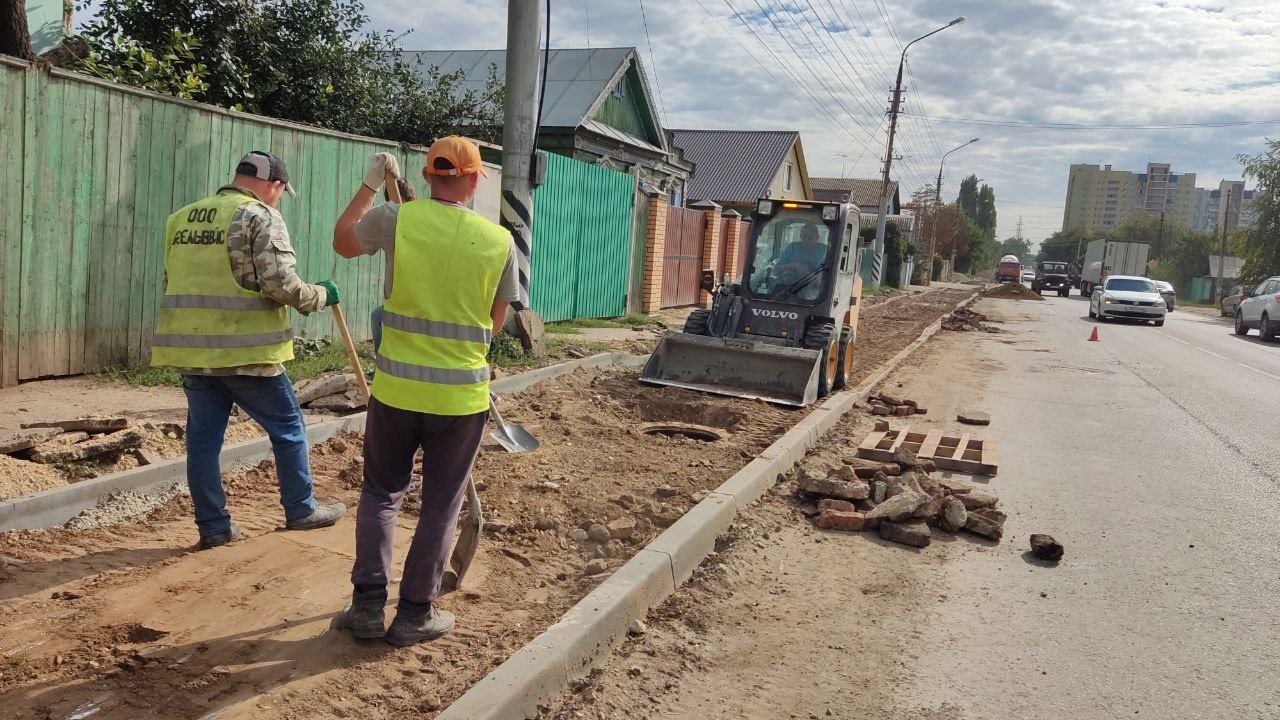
(581, 241)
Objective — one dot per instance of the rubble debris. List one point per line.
(334, 392)
(899, 507)
(913, 534)
(883, 405)
(90, 424)
(808, 509)
(111, 442)
(621, 529)
(594, 567)
(598, 533)
(882, 426)
(837, 505)
(954, 515)
(637, 627)
(974, 418)
(966, 319)
(1044, 547)
(975, 500)
(27, 439)
(987, 522)
(834, 487)
(841, 520)
(348, 401)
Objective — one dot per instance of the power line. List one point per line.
(862, 96)
(786, 87)
(1100, 126)
(656, 81)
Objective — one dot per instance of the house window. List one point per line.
(786, 180)
(620, 90)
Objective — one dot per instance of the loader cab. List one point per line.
(796, 251)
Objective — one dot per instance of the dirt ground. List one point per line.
(789, 621)
(128, 622)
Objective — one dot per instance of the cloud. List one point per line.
(825, 68)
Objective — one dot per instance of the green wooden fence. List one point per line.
(581, 241)
(91, 171)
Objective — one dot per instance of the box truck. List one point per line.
(1103, 258)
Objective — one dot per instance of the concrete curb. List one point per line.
(57, 505)
(591, 629)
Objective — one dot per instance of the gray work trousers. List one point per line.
(392, 438)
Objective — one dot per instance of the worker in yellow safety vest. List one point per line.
(224, 326)
(452, 274)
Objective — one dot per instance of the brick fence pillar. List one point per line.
(655, 248)
(710, 242)
(733, 242)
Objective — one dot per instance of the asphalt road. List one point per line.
(1152, 455)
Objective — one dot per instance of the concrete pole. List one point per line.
(1222, 249)
(882, 218)
(524, 19)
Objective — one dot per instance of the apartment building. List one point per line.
(1100, 198)
(1209, 207)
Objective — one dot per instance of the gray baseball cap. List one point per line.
(266, 166)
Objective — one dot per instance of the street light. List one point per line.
(933, 236)
(877, 267)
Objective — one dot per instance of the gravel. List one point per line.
(125, 506)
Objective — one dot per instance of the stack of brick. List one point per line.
(901, 500)
(885, 404)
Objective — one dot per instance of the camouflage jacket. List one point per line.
(262, 260)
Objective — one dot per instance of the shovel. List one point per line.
(511, 436)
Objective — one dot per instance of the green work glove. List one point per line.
(330, 291)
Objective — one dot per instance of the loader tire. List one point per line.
(842, 362)
(818, 337)
(698, 323)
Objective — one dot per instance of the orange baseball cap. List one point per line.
(460, 152)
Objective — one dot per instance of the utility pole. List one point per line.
(1222, 249)
(877, 249)
(1160, 237)
(937, 203)
(519, 122)
(843, 157)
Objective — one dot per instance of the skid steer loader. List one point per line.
(785, 332)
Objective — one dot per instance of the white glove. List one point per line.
(379, 165)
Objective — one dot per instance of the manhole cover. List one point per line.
(693, 432)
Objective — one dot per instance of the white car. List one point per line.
(1128, 297)
(1168, 293)
(1261, 310)
(1028, 275)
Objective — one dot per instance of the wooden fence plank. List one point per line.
(81, 221)
(34, 282)
(13, 110)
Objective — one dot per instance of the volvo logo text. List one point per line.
(781, 314)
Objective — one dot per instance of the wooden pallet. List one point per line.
(961, 453)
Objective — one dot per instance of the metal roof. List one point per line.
(861, 191)
(733, 165)
(578, 80)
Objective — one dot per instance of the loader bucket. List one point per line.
(735, 366)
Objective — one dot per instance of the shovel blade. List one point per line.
(514, 438)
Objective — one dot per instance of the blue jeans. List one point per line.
(271, 402)
(375, 327)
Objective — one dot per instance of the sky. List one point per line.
(826, 67)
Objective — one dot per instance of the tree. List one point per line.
(1261, 243)
(15, 36)
(1068, 245)
(309, 61)
(1015, 245)
(986, 210)
(894, 252)
(172, 70)
(968, 197)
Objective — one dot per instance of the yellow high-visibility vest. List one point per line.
(436, 326)
(206, 319)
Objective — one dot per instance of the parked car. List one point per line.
(1028, 275)
(1231, 300)
(1128, 297)
(1051, 275)
(1168, 293)
(1261, 310)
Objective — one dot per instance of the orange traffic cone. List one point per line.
(1094, 337)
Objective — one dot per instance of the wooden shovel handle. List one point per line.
(352, 357)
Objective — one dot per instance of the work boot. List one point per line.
(322, 516)
(364, 613)
(231, 534)
(416, 623)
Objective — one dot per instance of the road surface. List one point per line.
(1151, 455)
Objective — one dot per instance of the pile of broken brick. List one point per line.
(900, 499)
(884, 404)
(65, 441)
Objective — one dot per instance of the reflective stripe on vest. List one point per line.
(206, 319)
(436, 325)
(435, 328)
(218, 302)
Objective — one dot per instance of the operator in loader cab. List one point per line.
(802, 256)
